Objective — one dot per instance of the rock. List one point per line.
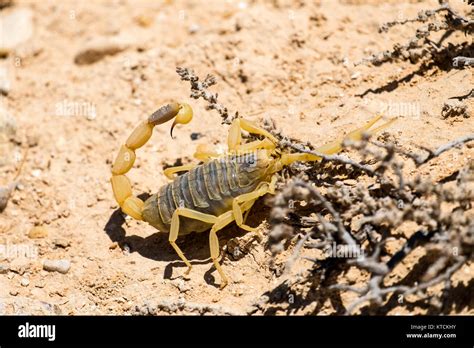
(49, 308)
(196, 135)
(36, 173)
(4, 268)
(40, 284)
(61, 243)
(13, 292)
(181, 285)
(38, 232)
(8, 129)
(5, 193)
(25, 282)
(17, 28)
(7, 125)
(126, 249)
(144, 20)
(194, 28)
(99, 48)
(5, 79)
(61, 266)
(19, 265)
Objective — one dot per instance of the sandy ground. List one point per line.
(286, 61)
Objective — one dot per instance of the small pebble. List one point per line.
(194, 28)
(8, 125)
(61, 266)
(19, 265)
(356, 75)
(36, 173)
(144, 20)
(17, 28)
(24, 282)
(196, 136)
(126, 249)
(38, 232)
(61, 242)
(181, 285)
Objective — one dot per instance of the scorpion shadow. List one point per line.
(157, 247)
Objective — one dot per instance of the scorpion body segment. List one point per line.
(216, 193)
(209, 188)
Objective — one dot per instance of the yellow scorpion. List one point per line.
(219, 191)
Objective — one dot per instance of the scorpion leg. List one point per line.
(202, 153)
(244, 202)
(172, 170)
(235, 133)
(174, 229)
(335, 146)
(257, 144)
(247, 211)
(355, 135)
(222, 221)
(205, 153)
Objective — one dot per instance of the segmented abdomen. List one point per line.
(208, 188)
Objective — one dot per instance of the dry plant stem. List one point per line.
(296, 254)
(449, 146)
(436, 231)
(199, 89)
(364, 262)
(420, 46)
(334, 158)
(424, 16)
(375, 293)
(419, 160)
(465, 96)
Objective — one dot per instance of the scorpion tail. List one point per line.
(121, 186)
